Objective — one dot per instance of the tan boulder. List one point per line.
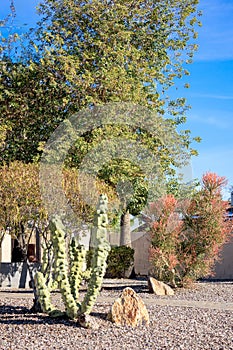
(129, 310)
(158, 287)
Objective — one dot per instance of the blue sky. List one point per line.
(211, 84)
(211, 91)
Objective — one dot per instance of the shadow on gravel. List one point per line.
(212, 280)
(16, 310)
(101, 315)
(17, 318)
(16, 315)
(137, 288)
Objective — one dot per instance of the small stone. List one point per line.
(87, 321)
(158, 287)
(129, 310)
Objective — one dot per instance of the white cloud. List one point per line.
(211, 120)
(213, 96)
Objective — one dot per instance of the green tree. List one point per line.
(119, 50)
(31, 108)
(91, 53)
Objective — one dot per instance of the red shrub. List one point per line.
(183, 250)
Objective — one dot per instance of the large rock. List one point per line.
(158, 287)
(129, 310)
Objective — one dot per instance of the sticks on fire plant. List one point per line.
(187, 240)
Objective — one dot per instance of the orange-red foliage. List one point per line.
(183, 250)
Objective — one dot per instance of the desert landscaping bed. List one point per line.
(203, 325)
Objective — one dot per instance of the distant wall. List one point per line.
(223, 269)
(141, 245)
(16, 275)
(5, 249)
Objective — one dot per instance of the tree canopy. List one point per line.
(118, 50)
(21, 202)
(92, 52)
(89, 53)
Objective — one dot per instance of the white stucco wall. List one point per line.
(5, 250)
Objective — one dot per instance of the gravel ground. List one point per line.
(201, 291)
(171, 327)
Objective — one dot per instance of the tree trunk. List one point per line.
(125, 234)
(36, 304)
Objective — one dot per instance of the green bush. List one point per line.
(119, 260)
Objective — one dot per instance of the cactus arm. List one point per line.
(102, 248)
(43, 294)
(61, 267)
(77, 261)
(46, 267)
(96, 279)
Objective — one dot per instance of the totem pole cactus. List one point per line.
(69, 277)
